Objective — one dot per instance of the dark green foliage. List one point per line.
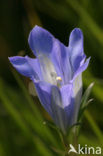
(24, 128)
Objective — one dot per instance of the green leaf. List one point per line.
(86, 96)
(85, 102)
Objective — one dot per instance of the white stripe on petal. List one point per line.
(57, 109)
(77, 90)
(48, 70)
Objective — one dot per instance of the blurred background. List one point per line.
(23, 130)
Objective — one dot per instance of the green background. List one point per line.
(22, 128)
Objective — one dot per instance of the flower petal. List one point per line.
(61, 61)
(35, 65)
(40, 41)
(68, 103)
(62, 106)
(77, 89)
(48, 70)
(44, 45)
(43, 90)
(25, 66)
(57, 109)
(76, 51)
(81, 68)
(77, 94)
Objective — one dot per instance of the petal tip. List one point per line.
(88, 59)
(17, 60)
(37, 27)
(77, 32)
(76, 36)
(40, 40)
(12, 59)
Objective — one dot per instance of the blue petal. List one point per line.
(68, 102)
(76, 51)
(26, 66)
(62, 106)
(43, 90)
(34, 63)
(81, 68)
(66, 93)
(43, 45)
(57, 102)
(61, 61)
(57, 109)
(40, 41)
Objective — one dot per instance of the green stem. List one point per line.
(74, 140)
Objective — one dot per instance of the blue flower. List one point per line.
(56, 73)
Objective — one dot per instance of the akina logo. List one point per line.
(85, 150)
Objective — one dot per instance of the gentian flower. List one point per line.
(56, 73)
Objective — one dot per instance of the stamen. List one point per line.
(58, 79)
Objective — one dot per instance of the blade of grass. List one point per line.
(27, 96)
(94, 126)
(16, 116)
(97, 90)
(2, 151)
(12, 111)
(84, 15)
